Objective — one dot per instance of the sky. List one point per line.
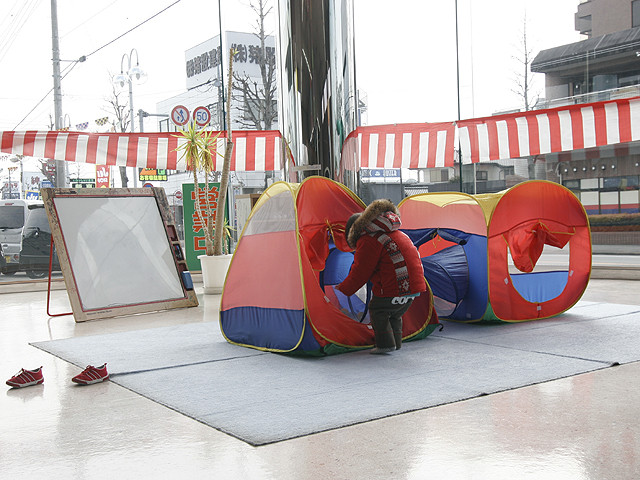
(405, 53)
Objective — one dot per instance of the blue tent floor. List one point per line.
(263, 398)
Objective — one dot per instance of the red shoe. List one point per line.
(26, 378)
(91, 375)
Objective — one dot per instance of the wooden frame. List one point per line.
(119, 251)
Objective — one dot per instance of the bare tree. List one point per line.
(121, 124)
(256, 100)
(524, 90)
(523, 76)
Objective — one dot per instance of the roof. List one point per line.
(605, 46)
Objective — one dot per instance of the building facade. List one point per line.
(319, 104)
(604, 66)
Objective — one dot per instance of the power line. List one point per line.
(17, 21)
(69, 69)
(84, 57)
(132, 29)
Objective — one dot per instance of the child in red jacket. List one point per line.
(387, 257)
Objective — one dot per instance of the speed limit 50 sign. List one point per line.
(202, 116)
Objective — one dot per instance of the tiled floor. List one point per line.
(583, 427)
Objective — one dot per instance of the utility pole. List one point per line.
(458, 89)
(61, 166)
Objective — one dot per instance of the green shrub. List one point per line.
(617, 219)
(620, 222)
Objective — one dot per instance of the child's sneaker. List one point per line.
(26, 378)
(91, 375)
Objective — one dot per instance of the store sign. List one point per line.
(380, 173)
(82, 182)
(153, 175)
(102, 176)
(202, 62)
(194, 239)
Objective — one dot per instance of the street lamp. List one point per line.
(134, 73)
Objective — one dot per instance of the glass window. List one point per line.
(588, 183)
(481, 175)
(38, 218)
(635, 13)
(11, 216)
(629, 183)
(611, 183)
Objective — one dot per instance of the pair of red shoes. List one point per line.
(26, 378)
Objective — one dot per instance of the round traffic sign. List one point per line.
(180, 115)
(178, 195)
(202, 116)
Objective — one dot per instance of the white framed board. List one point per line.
(119, 251)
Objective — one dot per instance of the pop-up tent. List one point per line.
(480, 252)
(280, 295)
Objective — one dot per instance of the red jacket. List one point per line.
(373, 260)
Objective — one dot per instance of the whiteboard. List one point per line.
(118, 256)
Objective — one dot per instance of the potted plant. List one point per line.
(199, 149)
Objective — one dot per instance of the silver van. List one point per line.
(13, 214)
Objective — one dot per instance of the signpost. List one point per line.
(180, 115)
(202, 116)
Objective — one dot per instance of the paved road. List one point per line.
(22, 277)
(599, 263)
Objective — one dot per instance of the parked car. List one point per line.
(3, 261)
(13, 214)
(36, 244)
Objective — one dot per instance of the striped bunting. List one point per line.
(562, 129)
(500, 137)
(409, 145)
(253, 150)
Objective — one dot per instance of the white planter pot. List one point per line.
(214, 272)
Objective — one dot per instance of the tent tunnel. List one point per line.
(480, 252)
(280, 295)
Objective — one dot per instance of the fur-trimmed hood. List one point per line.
(375, 209)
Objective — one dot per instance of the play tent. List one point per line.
(280, 295)
(480, 252)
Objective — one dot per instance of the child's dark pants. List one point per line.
(386, 320)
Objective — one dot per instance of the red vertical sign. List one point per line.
(102, 176)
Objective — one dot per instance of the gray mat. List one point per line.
(263, 398)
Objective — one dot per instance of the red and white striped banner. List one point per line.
(253, 150)
(562, 129)
(500, 137)
(409, 145)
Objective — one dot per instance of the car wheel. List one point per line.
(35, 274)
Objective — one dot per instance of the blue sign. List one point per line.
(380, 172)
(46, 184)
(32, 195)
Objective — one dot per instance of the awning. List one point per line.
(500, 137)
(253, 150)
(411, 145)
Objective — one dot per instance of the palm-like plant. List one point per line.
(199, 149)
